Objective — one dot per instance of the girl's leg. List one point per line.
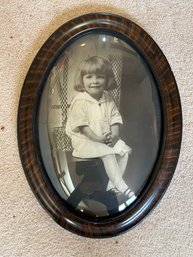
(114, 173)
(122, 163)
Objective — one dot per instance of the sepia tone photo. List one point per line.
(99, 124)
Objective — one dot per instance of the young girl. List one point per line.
(94, 120)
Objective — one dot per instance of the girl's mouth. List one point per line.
(94, 86)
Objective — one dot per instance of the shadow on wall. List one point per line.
(141, 115)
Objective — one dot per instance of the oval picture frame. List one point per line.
(136, 42)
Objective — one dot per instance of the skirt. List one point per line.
(89, 149)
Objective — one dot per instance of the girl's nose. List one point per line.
(94, 79)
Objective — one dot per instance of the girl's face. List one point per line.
(94, 84)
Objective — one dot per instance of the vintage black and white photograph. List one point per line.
(99, 124)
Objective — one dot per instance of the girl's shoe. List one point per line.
(122, 206)
(130, 195)
(125, 198)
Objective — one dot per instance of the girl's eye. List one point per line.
(98, 76)
(88, 76)
(101, 76)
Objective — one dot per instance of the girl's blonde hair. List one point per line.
(96, 65)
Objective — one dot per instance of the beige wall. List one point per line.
(25, 228)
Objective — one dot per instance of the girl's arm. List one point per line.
(115, 130)
(115, 134)
(91, 135)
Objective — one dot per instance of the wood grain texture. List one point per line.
(28, 142)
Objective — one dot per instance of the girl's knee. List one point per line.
(110, 158)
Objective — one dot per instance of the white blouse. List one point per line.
(99, 116)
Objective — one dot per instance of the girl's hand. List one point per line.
(105, 138)
(108, 140)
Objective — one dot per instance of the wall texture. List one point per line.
(26, 229)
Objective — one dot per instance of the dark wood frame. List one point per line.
(27, 127)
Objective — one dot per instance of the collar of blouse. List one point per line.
(105, 97)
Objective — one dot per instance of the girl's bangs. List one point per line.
(95, 68)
